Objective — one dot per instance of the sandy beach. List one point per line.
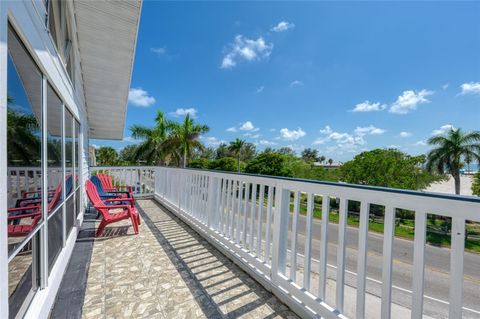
(449, 186)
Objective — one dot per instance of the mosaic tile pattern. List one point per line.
(169, 271)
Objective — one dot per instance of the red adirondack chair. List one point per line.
(107, 183)
(104, 208)
(33, 212)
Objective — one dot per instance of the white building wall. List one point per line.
(28, 19)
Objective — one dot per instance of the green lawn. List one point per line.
(405, 228)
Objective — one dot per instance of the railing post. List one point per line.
(280, 229)
(212, 206)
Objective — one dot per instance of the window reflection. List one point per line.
(24, 174)
(24, 182)
(54, 149)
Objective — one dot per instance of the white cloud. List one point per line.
(252, 135)
(445, 86)
(140, 97)
(405, 134)
(371, 130)
(283, 26)
(129, 139)
(368, 106)
(248, 126)
(260, 89)
(272, 130)
(212, 141)
(470, 88)
(291, 135)
(246, 49)
(183, 112)
(326, 130)
(232, 129)
(421, 143)
(443, 129)
(267, 143)
(409, 100)
(159, 51)
(296, 83)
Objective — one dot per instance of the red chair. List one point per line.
(107, 183)
(32, 211)
(104, 208)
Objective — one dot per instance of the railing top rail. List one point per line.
(121, 167)
(463, 198)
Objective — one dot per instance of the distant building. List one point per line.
(327, 165)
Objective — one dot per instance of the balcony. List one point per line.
(213, 244)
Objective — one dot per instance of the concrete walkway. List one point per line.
(166, 271)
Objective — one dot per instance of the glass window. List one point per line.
(24, 167)
(60, 30)
(54, 149)
(55, 175)
(69, 147)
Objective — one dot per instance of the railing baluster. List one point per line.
(239, 210)
(293, 246)
(342, 240)
(268, 225)
(456, 267)
(388, 235)
(324, 247)
(307, 262)
(227, 206)
(245, 216)
(235, 201)
(280, 231)
(362, 259)
(260, 220)
(252, 216)
(418, 264)
(222, 206)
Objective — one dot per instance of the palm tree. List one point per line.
(330, 161)
(156, 146)
(321, 159)
(106, 156)
(236, 147)
(185, 137)
(23, 136)
(451, 150)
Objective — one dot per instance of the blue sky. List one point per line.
(340, 77)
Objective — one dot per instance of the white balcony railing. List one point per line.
(141, 178)
(255, 221)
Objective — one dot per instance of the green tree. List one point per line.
(129, 155)
(387, 168)
(23, 138)
(269, 163)
(222, 151)
(287, 151)
(227, 164)
(248, 152)
(450, 151)
(476, 184)
(156, 147)
(330, 161)
(106, 156)
(185, 137)
(322, 159)
(310, 155)
(236, 147)
(200, 163)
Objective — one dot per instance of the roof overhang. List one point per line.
(107, 35)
